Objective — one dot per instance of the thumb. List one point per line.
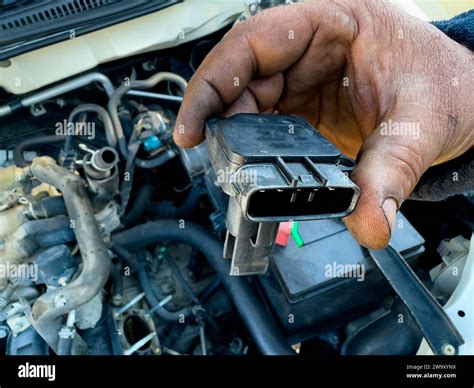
(390, 163)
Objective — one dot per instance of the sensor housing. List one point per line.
(274, 168)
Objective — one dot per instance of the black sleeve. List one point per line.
(455, 176)
(460, 28)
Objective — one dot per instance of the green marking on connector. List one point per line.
(296, 236)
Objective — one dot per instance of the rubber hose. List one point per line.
(117, 283)
(139, 204)
(64, 346)
(157, 161)
(169, 210)
(22, 146)
(146, 286)
(49, 207)
(261, 326)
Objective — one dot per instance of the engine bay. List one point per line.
(112, 237)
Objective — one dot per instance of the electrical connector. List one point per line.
(274, 168)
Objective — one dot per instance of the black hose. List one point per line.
(261, 326)
(64, 346)
(127, 122)
(127, 182)
(47, 232)
(139, 204)
(210, 289)
(168, 210)
(49, 207)
(22, 146)
(146, 286)
(117, 284)
(164, 209)
(157, 161)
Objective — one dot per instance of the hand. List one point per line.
(380, 84)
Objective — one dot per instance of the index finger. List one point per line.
(264, 45)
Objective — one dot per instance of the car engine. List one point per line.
(112, 239)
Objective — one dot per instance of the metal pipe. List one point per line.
(48, 310)
(115, 100)
(58, 90)
(106, 120)
(156, 96)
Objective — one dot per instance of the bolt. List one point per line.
(448, 350)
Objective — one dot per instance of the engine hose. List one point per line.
(22, 146)
(165, 209)
(116, 99)
(213, 286)
(117, 285)
(49, 207)
(168, 210)
(139, 204)
(103, 114)
(126, 121)
(147, 288)
(48, 311)
(127, 182)
(261, 326)
(64, 346)
(157, 161)
(46, 232)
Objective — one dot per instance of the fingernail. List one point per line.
(390, 209)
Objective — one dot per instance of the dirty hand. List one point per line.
(380, 84)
